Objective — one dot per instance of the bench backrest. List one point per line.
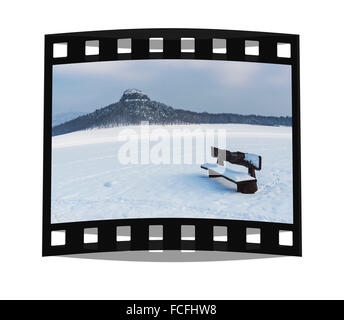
(249, 160)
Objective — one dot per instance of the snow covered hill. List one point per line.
(90, 183)
(60, 118)
(135, 107)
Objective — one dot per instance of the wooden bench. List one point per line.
(246, 182)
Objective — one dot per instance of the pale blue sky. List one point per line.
(197, 85)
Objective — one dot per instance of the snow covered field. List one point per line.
(90, 183)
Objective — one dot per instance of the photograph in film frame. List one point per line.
(172, 139)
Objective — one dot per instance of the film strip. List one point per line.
(171, 233)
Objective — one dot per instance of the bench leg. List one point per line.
(212, 174)
(247, 187)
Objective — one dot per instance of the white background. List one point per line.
(25, 274)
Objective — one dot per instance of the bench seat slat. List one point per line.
(209, 165)
(232, 175)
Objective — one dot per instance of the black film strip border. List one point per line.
(235, 51)
(172, 237)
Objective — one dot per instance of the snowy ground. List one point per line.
(89, 182)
